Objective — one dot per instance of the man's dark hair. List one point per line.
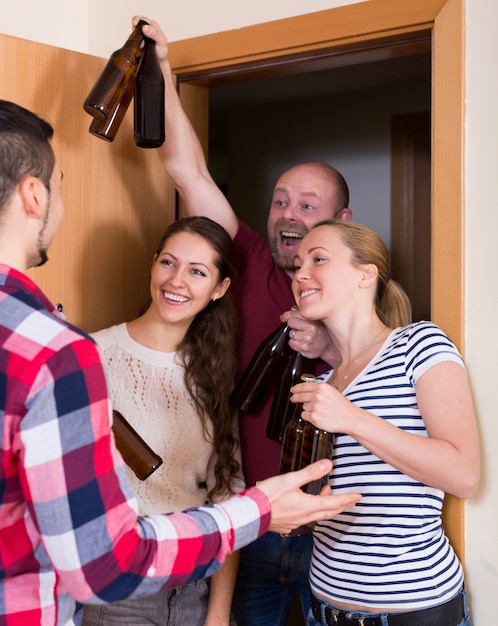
(25, 148)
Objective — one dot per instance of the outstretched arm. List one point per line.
(182, 155)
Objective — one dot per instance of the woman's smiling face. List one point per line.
(185, 278)
(326, 276)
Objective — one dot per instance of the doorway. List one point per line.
(352, 116)
(295, 44)
(359, 118)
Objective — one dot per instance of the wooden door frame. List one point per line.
(276, 46)
(411, 208)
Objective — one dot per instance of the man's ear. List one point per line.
(34, 196)
(344, 214)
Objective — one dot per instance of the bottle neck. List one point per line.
(137, 36)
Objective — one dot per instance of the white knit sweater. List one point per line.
(147, 387)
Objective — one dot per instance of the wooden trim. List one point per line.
(344, 26)
(339, 55)
(359, 27)
(448, 212)
(448, 175)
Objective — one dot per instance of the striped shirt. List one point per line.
(390, 550)
(69, 530)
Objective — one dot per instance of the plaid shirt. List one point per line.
(69, 531)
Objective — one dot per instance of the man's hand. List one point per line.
(182, 155)
(153, 30)
(291, 507)
(310, 338)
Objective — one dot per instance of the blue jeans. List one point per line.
(311, 621)
(272, 571)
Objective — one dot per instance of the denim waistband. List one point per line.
(450, 613)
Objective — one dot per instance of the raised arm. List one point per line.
(182, 155)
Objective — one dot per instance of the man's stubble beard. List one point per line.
(286, 262)
(281, 260)
(43, 255)
(42, 249)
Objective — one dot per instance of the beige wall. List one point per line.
(481, 163)
(53, 21)
(98, 27)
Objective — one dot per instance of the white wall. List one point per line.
(98, 28)
(55, 22)
(481, 163)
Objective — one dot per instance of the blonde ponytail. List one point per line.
(394, 308)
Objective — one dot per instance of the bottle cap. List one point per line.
(308, 378)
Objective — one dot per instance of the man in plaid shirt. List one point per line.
(69, 531)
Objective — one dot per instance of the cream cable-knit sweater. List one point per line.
(147, 387)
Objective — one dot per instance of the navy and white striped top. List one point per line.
(390, 549)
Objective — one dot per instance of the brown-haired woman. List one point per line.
(170, 373)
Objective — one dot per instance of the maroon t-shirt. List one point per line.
(262, 292)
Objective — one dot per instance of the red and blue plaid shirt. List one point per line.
(69, 531)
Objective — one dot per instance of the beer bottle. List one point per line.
(266, 364)
(317, 445)
(282, 408)
(117, 73)
(149, 99)
(107, 127)
(291, 455)
(136, 453)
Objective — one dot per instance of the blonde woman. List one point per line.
(399, 401)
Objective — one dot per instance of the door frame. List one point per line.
(366, 28)
(411, 208)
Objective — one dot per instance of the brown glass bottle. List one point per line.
(107, 127)
(148, 131)
(291, 455)
(118, 71)
(317, 445)
(137, 454)
(266, 364)
(282, 408)
(292, 444)
(293, 438)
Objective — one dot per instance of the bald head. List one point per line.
(337, 196)
(304, 195)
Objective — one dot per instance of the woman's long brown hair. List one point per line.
(208, 354)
